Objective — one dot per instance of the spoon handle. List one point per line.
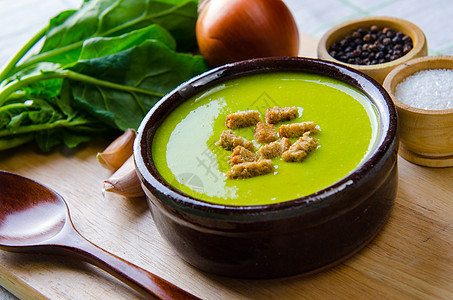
(130, 274)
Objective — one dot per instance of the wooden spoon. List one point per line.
(35, 219)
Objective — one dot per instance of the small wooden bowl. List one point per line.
(426, 136)
(377, 71)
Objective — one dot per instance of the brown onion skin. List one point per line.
(234, 30)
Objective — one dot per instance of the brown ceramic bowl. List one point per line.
(426, 136)
(300, 236)
(377, 71)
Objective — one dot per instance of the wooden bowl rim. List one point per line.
(417, 35)
(415, 65)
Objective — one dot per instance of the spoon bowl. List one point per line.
(35, 219)
(25, 222)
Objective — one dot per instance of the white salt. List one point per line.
(428, 89)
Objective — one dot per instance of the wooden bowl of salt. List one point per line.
(422, 90)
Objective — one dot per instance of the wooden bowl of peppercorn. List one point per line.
(373, 45)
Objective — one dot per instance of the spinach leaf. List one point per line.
(150, 70)
(92, 48)
(98, 47)
(39, 120)
(107, 18)
(101, 68)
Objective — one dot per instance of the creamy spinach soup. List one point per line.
(185, 153)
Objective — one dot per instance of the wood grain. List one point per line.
(411, 258)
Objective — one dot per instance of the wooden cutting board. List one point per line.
(411, 258)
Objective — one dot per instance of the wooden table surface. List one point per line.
(412, 258)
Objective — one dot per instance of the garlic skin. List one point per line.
(125, 181)
(116, 154)
(233, 30)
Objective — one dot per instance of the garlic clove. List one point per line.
(118, 151)
(125, 181)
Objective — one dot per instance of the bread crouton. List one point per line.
(265, 133)
(240, 155)
(251, 169)
(229, 140)
(300, 149)
(280, 114)
(274, 149)
(242, 119)
(297, 129)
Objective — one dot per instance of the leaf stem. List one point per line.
(67, 74)
(17, 96)
(108, 84)
(5, 73)
(15, 141)
(45, 126)
(47, 55)
(5, 108)
(24, 81)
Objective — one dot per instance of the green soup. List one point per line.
(186, 156)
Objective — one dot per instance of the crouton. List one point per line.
(300, 149)
(250, 169)
(274, 149)
(240, 155)
(297, 129)
(280, 114)
(265, 133)
(229, 140)
(242, 119)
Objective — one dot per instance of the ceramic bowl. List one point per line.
(377, 71)
(426, 136)
(300, 236)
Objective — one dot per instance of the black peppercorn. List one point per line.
(385, 30)
(407, 48)
(396, 39)
(390, 34)
(398, 47)
(356, 35)
(362, 31)
(406, 39)
(355, 53)
(371, 46)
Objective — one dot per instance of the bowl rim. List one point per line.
(417, 35)
(151, 179)
(412, 65)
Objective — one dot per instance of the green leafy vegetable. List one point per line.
(100, 69)
(147, 78)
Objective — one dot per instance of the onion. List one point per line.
(233, 30)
